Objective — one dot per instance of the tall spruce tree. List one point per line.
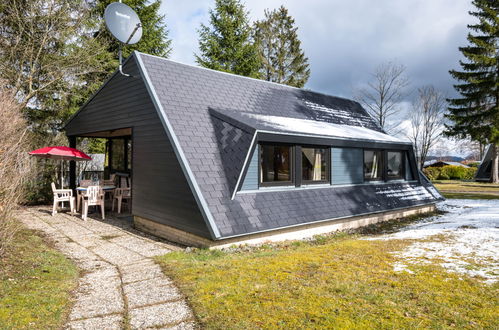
(283, 60)
(227, 45)
(475, 113)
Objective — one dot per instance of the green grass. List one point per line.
(463, 189)
(35, 285)
(339, 281)
(458, 195)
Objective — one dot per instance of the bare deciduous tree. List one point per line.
(383, 94)
(46, 48)
(15, 165)
(427, 119)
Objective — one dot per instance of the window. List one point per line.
(118, 155)
(276, 164)
(395, 165)
(315, 164)
(373, 167)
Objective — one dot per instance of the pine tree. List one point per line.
(227, 45)
(283, 60)
(475, 113)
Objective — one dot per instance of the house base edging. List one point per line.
(293, 233)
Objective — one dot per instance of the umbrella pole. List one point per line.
(62, 174)
(62, 179)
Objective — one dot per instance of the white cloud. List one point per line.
(345, 40)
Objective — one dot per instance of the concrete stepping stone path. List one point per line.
(121, 286)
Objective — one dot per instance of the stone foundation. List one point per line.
(292, 233)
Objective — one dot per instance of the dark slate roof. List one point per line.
(195, 101)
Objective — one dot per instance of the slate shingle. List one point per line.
(216, 149)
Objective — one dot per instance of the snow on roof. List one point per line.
(313, 127)
(408, 193)
(346, 117)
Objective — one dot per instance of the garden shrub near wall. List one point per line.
(450, 172)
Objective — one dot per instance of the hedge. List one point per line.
(450, 172)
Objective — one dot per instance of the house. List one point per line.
(215, 158)
(442, 163)
(484, 172)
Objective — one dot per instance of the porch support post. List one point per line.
(72, 165)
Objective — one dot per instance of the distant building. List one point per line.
(484, 172)
(442, 163)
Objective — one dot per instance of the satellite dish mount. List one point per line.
(124, 24)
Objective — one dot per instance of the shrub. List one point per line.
(450, 172)
(432, 173)
(15, 165)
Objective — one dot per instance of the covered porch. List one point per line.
(118, 157)
(117, 170)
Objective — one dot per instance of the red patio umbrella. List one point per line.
(61, 153)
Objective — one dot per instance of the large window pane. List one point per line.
(276, 164)
(372, 165)
(118, 155)
(314, 164)
(394, 165)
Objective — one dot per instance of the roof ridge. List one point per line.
(245, 77)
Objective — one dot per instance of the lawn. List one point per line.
(339, 281)
(467, 189)
(35, 285)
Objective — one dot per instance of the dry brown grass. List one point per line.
(15, 165)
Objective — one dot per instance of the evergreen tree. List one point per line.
(475, 113)
(283, 60)
(227, 45)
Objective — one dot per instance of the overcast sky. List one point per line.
(346, 40)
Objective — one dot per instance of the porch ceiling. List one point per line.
(110, 133)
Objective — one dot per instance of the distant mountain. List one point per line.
(446, 158)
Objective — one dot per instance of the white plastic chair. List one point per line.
(62, 195)
(121, 194)
(110, 182)
(93, 196)
(79, 193)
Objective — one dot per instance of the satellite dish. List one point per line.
(124, 24)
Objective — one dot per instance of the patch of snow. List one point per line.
(349, 117)
(470, 244)
(314, 127)
(400, 267)
(407, 193)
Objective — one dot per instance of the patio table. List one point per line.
(105, 188)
